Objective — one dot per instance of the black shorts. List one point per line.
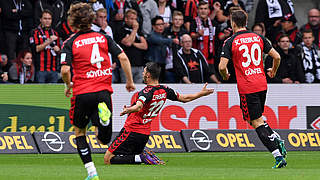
(252, 105)
(128, 143)
(84, 108)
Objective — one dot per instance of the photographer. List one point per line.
(45, 44)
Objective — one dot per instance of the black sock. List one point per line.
(123, 159)
(267, 137)
(83, 149)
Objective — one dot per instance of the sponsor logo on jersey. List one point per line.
(99, 73)
(91, 40)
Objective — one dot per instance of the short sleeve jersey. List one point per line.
(153, 98)
(87, 52)
(245, 49)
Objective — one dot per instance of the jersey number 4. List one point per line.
(154, 109)
(95, 56)
(250, 57)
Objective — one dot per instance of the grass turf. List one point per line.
(180, 166)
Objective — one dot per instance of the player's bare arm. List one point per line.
(134, 108)
(66, 77)
(276, 62)
(223, 68)
(125, 65)
(190, 97)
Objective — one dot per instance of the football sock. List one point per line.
(83, 149)
(90, 168)
(276, 153)
(267, 137)
(124, 159)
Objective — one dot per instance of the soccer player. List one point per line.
(128, 147)
(87, 52)
(245, 49)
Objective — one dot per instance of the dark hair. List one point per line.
(282, 36)
(239, 18)
(46, 11)
(307, 31)
(155, 19)
(154, 70)
(258, 24)
(81, 16)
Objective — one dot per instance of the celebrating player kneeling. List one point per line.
(128, 147)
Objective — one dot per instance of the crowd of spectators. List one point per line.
(184, 37)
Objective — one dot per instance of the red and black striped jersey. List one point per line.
(87, 52)
(153, 98)
(245, 49)
(45, 60)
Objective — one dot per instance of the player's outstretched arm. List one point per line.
(223, 68)
(276, 62)
(125, 65)
(190, 97)
(134, 108)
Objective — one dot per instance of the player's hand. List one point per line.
(130, 86)
(124, 111)
(67, 90)
(4, 77)
(204, 91)
(271, 73)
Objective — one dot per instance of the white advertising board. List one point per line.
(287, 107)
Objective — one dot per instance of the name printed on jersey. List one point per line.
(99, 73)
(159, 96)
(247, 40)
(91, 40)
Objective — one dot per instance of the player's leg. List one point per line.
(252, 106)
(80, 108)
(127, 148)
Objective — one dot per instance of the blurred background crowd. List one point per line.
(184, 37)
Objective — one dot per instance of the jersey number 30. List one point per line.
(95, 56)
(154, 109)
(250, 57)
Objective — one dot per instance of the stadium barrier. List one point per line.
(161, 141)
(43, 107)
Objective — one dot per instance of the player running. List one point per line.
(128, 147)
(87, 51)
(245, 49)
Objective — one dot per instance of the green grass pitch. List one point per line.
(180, 166)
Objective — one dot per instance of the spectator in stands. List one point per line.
(65, 30)
(308, 54)
(288, 24)
(45, 44)
(174, 31)
(2, 39)
(100, 24)
(191, 65)
(203, 33)
(56, 7)
(157, 45)
(149, 10)
(164, 11)
(17, 21)
(190, 13)
(314, 24)
(270, 13)
(134, 45)
(22, 69)
(290, 69)
(3, 74)
(233, 3)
